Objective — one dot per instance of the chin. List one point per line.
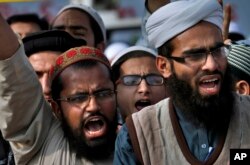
(94, 142)
(97, 148)
(211, 105)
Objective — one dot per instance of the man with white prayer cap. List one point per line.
(83, 22)
(138, 82)
(202, 119)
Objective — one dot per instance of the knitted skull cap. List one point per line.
(74, 55)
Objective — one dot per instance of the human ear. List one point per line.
(56, 109)
(163, 65)
(242, 87)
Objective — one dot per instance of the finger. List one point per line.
(153, 5)
(227, 41)
(221, 2)
(226, 21)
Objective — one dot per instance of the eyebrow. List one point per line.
(79, 93)
(203, 49)
(101, 90)
(86, 93)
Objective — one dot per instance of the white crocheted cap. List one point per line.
(92, 12)
(132, 49)
(176, 17)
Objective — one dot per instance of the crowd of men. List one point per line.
(63, 101)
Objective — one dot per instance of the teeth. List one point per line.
(94, 119)
(143, 101)
(212, 80)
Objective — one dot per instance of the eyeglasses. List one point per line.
(200, 58)
(82, 100)
(132, 80)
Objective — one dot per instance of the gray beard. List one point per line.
(214, 111)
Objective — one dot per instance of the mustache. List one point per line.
(207, 73)
(92, 114)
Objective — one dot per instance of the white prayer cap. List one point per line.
(92, 12)
(113, 49)
(133, 49)
(175, 17)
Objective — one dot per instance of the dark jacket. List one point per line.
(6, 155)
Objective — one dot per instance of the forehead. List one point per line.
(94, 78)
(49, 56)
(203, 34)
(43, 61)
(31, 26)
(73, 16)
(138, 65)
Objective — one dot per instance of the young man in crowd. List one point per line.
(43, 48)
(25, 24)
(202, 120)
(85, 106)
(138, 82)
(83, 22)
(239, 63)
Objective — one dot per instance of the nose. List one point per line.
(210, 64)
(143, 87)
(92, 105)
(68, 30)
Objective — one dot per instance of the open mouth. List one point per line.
(210, 86)
(95, 127)
(140, 104)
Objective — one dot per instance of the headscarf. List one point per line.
(176, 17)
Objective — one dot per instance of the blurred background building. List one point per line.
(122, 18)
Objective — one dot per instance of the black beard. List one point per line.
(97, 149)
(214, 111)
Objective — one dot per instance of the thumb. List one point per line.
(226, 21)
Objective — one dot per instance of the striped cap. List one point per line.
(239, 57)
(74, 55)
